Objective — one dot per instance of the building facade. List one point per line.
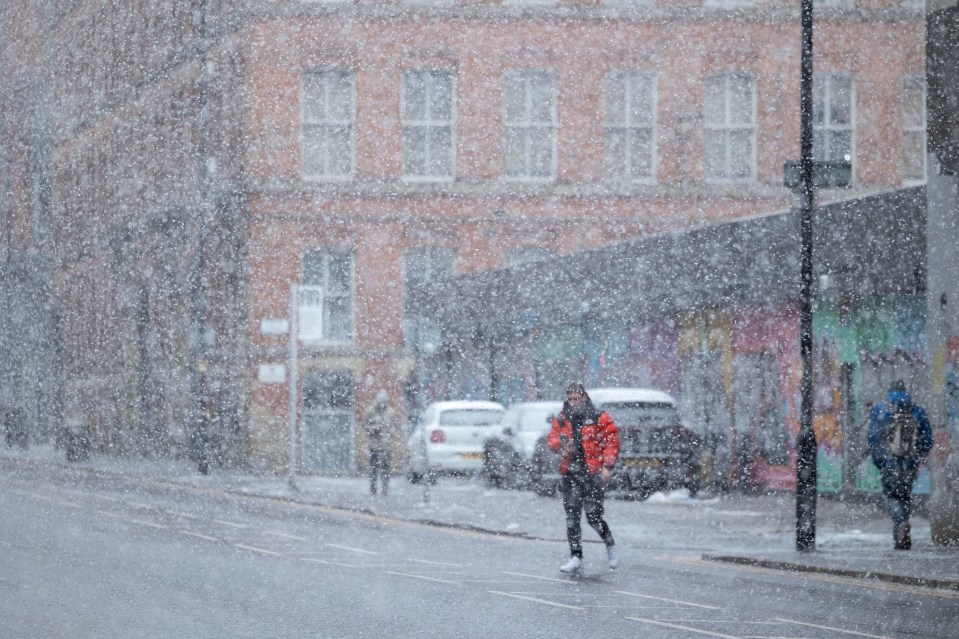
(712, 316)
(208, 156)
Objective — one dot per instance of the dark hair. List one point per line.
(898, 386)
(576, 387)
(588, 406)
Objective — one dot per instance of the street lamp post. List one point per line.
(806, 443)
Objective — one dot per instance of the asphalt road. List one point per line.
(81, 556)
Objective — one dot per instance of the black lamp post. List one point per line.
(806, 443)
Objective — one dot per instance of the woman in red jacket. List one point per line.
(589, 442)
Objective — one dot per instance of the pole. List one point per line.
(806, 443)
(294, 336)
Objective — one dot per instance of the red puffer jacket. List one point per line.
(600, 441)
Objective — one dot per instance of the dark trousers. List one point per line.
(584, 492)
(380, 465)
(897, 482)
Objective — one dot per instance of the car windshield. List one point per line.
(469, 417)
(642, 414)
(536, 418)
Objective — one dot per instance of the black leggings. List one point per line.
(584, 492)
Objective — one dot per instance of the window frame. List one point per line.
(528, 125)
(921, 129)
(727, 128)
(430, 72)
(327, 252)
(827, 126)
(307, 123)
(627, 126)
(415, 322)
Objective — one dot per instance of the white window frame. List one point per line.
(431, 123)
(324, 288)
(526, 124)
(627, 126)
(307, 123)
(726, 128)
(828, 126)
(915, 129)
(417, 325)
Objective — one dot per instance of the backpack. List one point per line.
(902, 436)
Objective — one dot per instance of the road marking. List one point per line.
(680, 627)
(675, 601)
(184, 515)
(259, 550)
(424, 577)
(229, 523)
(277, 533)
(199, 535)
(437, 563)
(328, 563)
(352, 549)
(848, 632)
(534, 599)
(523, 574)
(148, 523)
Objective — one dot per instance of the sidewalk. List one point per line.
(853, 540)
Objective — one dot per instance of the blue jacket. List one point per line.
(879, 422)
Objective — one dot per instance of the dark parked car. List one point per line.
(657, 451)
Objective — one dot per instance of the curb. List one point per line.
(941, 584)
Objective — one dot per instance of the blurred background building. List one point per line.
(171, 168)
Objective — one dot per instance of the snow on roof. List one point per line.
(610, 395)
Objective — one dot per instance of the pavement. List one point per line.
(853, 539)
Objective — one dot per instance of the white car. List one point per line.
(449, 438)
(511, 446)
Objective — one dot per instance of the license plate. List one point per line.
(471, 455)
(642, 463)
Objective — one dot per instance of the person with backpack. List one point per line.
(588, 440)
(900, 437)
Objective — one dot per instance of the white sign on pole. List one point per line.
(274, 326)
(272, 374)
(310, 318)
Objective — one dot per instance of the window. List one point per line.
(428, 124)
(629, 103)
(328, 135)
(326, 300)
(730, 128)
(914, 128)
(423, 266)
(529, 111)
(833, 118)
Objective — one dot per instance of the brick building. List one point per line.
(203, 156)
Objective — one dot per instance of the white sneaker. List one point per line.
(612, 553)
(574, 566)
